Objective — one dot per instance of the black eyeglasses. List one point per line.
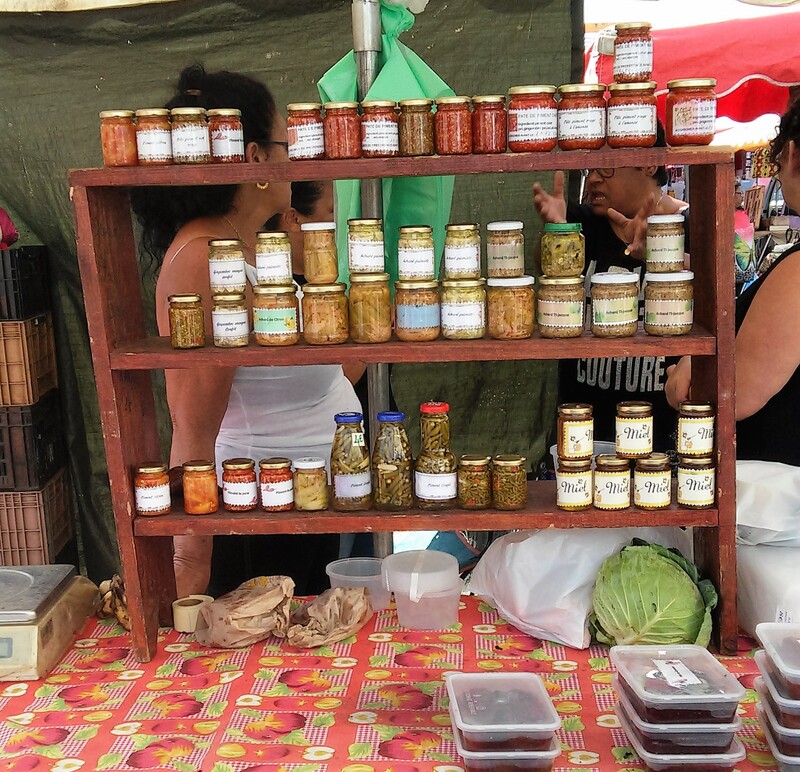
(604, 173)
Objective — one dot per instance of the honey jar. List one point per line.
(612, 482)
(574, 488)
(652, 482)
(695, 429)
(634, 429)
(575, 431)
(697, 485)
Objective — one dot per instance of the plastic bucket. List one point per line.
(420, 572)
(361, 572)
(433, 611)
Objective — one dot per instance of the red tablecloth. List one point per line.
(374, 703)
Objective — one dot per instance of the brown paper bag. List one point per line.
(333, 616)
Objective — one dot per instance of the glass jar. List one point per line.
(665, 243)
(153, 137)
(612, 482)
(634, 429)
(582, 116)
(474, 482)
(320, 259)
(697, 483)
(310, 484)
(200, 488)
(532, 119)
(631, 115)
(239, 486)
(191, 142)
(510, 303)
(365, 246)
(505, 249)
(187, 324)
(575, 431)
(350, 465)
(561, 307)
(392, 464)
(370, 308)
(615, 304)
(668, 303)
(652, 482)
(633, 52)
(226, 266)
(574, 489)
(462, 251)
(276, 484)
(380, 137)
(415, 253)
(563, 251)
(489, 124)
(509, 482)
(229, 322)
(691, 111)
(417, 310)
(325, 318)
(273, 258)
(435, 477)
(305, 131)
(453, 126)
(416, 127)
(151, 490)
(342, 130)
(275, 316)
(695, 429)
(227, 135)
(463, 309)
(118, 138)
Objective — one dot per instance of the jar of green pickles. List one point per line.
(463, 309)
(563, 251)
(435, 478)
(462, 251)
(415, 253)
(474, 482)
(370, 308)
(365, 246)
(509, 482)
(391, 464)
(350, 464)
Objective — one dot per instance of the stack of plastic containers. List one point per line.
(503, 721)
(678, 705)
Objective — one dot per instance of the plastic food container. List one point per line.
(681, 684)
(785, 763)
(507, 761)
(785, 710)
(361, 572)
(419, 572)
(782, 643)
(786, 740)
(501, 711)
(432, 610)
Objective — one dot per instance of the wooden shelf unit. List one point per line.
(123, 356)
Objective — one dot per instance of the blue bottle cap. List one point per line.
(348, 418)
(391, 415)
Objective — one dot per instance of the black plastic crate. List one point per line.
(32, 444)
(24, 284)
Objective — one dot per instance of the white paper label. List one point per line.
(612, 490)
(633, 58)
(358, 440)
(696, 486)
(230, 324)
(227, 273)
(352, 486)
(653, 489)
(227, 143)
(152, 499)
(365, 256)
(190, 140)
(573, 488)
(435, 487)
(380, 136)
(695, 436)
(694, 117)
(635, 435)
(612, 312)
(531, 124)
(243, 494)
(631, 120)
(676, 673)
(582, 123)
(669, 313)
(154, 144)
(578, 439)
(277, 494)
(784, 616)
(558, 313)
(665, 249)
(505, 257)
(462, 260)
(415, 263)
(271, 266)
(462, 316)
(306, 141)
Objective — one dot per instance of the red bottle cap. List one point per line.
(434, 407)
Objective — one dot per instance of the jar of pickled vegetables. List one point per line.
(415, 253)
(416, 127)
(310, 484)
(226, 266)
(276, 484)
(191, 142)
(612, 482)
(273, 258)
(532, 119)
(615, 304)
(453, 126)
(342, 130)
(365, 246)
(239, 487)
(634, 429)
(380, 137)
(633, 52)
(563, 250)
(392, 464)
(370, 308)
(697, 484)
(668, 303)
(505, 250)
(665, 243)
(229, 322)
(275, 315)
(463, 309)
(151, 490)
(575, 431)
(227, 135)
(417, 310)
(489, 124)
(695, 429)
(320, 260)
(474, 478)
(305, 131)
(462, 251)
(200, 488)
(509, 482)
(574, 489)
(187, 324)
(510, 303)
(153, 137)
(325, 317)
(561, 307)
(350, 464)
(118, 138)
(435, 477)
(652, 482)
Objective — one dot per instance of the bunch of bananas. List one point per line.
(114, 602)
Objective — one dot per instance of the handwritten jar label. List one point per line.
(462, 316)
(230, 324)
(271, 266)
(612, 490)
(559, 313)
(695, 436)
(365, 256)
(226, 274)
(154, 145)
(462, 261)
(695, 117)
(155, 499)
(415, 263)
(631, 120)
(242, 494)
(435, 487)
(633, 58)
(610, 312)
(665, 249)
(306, 140)
(277, 494)
(634, 436)
(582, 123)
(352, 486)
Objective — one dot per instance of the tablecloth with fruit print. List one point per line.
(372, 703)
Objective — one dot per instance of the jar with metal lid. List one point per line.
(695, 429)
(229, 321)
(325, 317)
(489, 124)
(415, 253)
(417, 310)
(453, 126)
(187, 324)
(574, 489)
(239, 486)
(697, 482)
(633, 52)
(365, 246)
(118, 138)
(416, 127)
(510, 303)
(691, 111)
(582, 116)
(463, 309)
(191, 142)
(276, 484)
(563, 250)
(615, 304)
(612, 482)
(561, 307)
(631, 115)
(227, 135)
(392, 464)
(370, 308)
(226, 266)
(668, 303)
(350, 464)
(634, 429)
(505, 249)
(665, 243)
(342, 130)
(153, 137)
(200, 488)
(273, 258)
(575, 431)
(509, 482)
(462, 251)
(652, 482)
(151, 490)
(380, 136)
(532, 119)
(435, 477)
(275, 315)
(320, 259)
(474, 482)
(310, 484)
(305, 131)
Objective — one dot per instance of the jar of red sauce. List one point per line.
(453, 126)
(691, 111)
(632, 115)
(200, 489)
(582, 116)
(227, 136)
(239, 487)
(342, 130)
(276, 483)
(633, 52)
(532, 119)
(151, 490)
(380, 137)
(489, 124)
(305, 131)
(118, 138)
(153, 137)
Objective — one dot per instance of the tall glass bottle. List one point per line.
(391, 464)
(435, 478)
(352, 482)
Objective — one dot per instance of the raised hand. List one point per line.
(552, 207)
(633, 231)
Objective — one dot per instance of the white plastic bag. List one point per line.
(767, 503)
(767, 588)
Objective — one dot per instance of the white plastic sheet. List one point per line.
(767, 586)
(768, 503)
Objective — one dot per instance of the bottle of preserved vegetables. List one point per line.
(350, 464)
(391, 464)
(435, 478)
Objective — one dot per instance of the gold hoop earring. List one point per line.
(262, 185)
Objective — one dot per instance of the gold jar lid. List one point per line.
(275, 289)
(453, 100)
(238, 463)
(198, 466)
(366, 278)
(647, 85)
(582, 88)
(364, 222)
(471, 459)
(225, 112)
(188, 111)
(508, 459)
(462, 226)
(415, 229)
(322, 288)
(187, 297)
(152, 111)
(612, 462)
(275, 462)
(228, 297)
(419, 284)
(575, 409)
(696, 462)
(116, 114)
(223, 243)
(653, 461)
(151, 467)
(463, 283)
(634, 408)
(378, 103)
(415, 102)
(532, 90)
(489, 98)
(690, 406)
(563, 281)
(301, 106)
(341, 105)
(575, 465)
(692, 83)
(272, 236)
(633, 25)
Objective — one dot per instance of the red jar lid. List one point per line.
(434, 407)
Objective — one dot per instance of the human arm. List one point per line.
(354, 371)
(552, 207)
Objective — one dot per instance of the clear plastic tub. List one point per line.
(785, 710)
(680, 684)
(361, 572)
(785, 763)
(501, 711)
(782, 643)
(507, 761)
(418, 572)
(432, 611)
(786, 740)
